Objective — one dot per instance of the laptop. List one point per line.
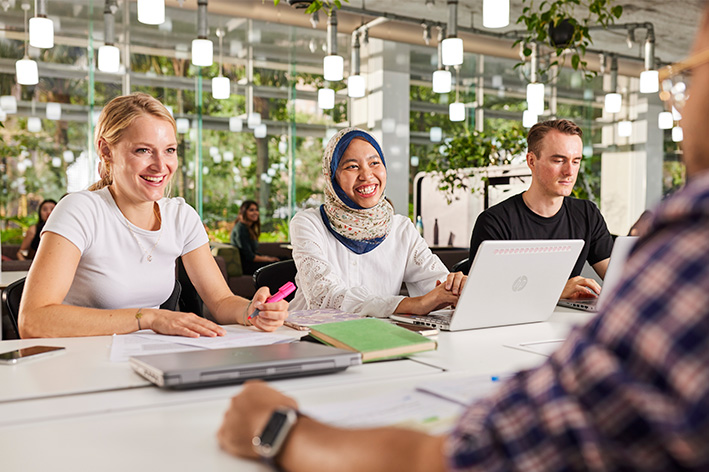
(510, 282)
(210, 367)
(614, 272)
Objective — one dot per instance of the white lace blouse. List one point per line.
(332, 276)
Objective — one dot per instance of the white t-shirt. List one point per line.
(331, 276)
(114, 271)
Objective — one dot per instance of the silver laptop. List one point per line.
(510, 282)
(614, 272)
(209, 367)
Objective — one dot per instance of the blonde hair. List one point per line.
(115, 118)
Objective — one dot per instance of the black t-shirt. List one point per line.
(577, 219)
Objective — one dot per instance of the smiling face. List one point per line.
(555, 170)
(361, 173)
(252, 214)
(46, 210)
(144, 160)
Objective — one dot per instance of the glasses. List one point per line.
(674, 79)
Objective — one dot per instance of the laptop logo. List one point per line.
(519, 283)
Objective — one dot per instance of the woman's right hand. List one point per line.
(179, 324)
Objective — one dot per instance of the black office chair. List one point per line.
(275, 275)
(461, 266)
(12, 295)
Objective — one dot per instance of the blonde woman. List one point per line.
(106, 260)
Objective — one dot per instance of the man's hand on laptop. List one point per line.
(581, 287)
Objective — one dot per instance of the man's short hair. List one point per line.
(540, 130)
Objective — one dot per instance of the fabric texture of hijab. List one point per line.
(359, 229)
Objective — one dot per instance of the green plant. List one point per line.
(473, 149)
(318, 4)
(564, 14)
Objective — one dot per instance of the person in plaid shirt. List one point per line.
(628, 391)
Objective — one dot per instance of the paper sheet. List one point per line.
(543, 348)
(147, 342)
(463, 390)
(406, 408)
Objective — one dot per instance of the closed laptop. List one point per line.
(209, 367)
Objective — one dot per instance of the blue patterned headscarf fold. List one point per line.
(359, 229)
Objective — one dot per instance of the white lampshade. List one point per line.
(245, 161)
(8, 103)
(356, 86)
(441, 81)
(34, 124)
(664, 120)
(452, 52)
(228, 156)
(333, 67)
(202, 52)
(260, 131)
(456, 111)
(677, 134)
(253, 120)
(221, 87)
(414, 161)
(183, 125)
(326, 98)
(535, 98)
(54, 111)
(109, 59)
(676, 114)
(151, 12)
(236, 124)
(613, 102)
(41, 32)
(3, 115)
(625, 129)
(436, 134)
(529, 119)
(68, 156)
(496, 13)
(649, 81)
(27, 72)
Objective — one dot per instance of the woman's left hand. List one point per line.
(454, 282)
(271, 315)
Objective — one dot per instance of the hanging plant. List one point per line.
(457, 158)
(311, 6)
(561, 26)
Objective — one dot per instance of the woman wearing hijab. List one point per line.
(353, 253)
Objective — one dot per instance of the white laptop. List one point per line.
(209, 367)
(614, 272)
(510, 282)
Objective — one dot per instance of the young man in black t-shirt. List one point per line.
(546, 211)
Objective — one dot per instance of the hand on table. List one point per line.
(581, 287)
(247, 415)
(179, 324)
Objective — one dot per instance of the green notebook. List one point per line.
(375, 339)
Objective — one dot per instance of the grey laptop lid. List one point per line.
(510, 282)
(208, 367)
(619, 255)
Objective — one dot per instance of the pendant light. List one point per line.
(613, 100)
(456, 110)
(202, 48)
(333, 64)
(496, 13)
(452, 47)
(535, 90)
(649, 78)
(26, 69)
(326, 98)
(41, 27)
(151, 12)
(221, 86)
(356, 86)
(109, 56)
(441, 78)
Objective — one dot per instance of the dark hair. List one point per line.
(40, 224)
(540, 130)
(254, 228)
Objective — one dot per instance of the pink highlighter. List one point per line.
(282, 293)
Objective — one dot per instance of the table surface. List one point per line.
(9, 276)
(79, 411)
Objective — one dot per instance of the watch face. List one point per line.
(269, 442)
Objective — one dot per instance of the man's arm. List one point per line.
(601, 267)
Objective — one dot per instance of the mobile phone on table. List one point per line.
(27, 353)
(422, 330)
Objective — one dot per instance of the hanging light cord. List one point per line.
(26, 7)
(220, 35)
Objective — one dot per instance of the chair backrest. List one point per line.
(11, 296)
(461, 266)
(275, 275)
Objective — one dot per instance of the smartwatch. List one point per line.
(269, 443)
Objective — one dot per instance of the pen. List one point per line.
(282, 293)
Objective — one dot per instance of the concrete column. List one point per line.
(384, 111)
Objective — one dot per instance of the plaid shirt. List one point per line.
(628, 391)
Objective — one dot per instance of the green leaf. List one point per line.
(527, 51)
(617, 11)
(575, 59)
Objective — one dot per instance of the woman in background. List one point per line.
(31, 242)
(353, 253)
(245, 236)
